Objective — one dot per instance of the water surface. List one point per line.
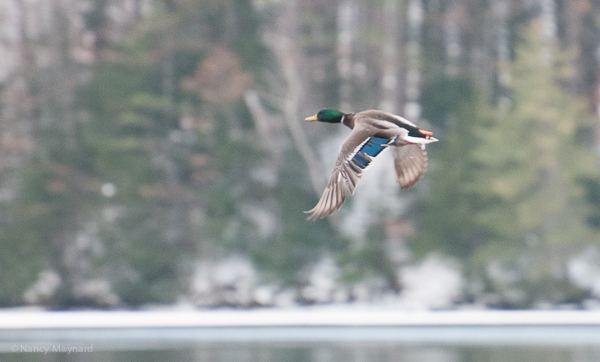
(306, 344)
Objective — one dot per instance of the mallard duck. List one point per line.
(372, 132)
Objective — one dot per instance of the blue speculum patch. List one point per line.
(374, 146)
(361, 161)
(371, 148)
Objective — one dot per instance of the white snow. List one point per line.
(434, 283)
(584, 270)
(338, 315)
(321, 281)
(43, 288)
(230, 281)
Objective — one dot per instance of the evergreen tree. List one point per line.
(129, 118)
(506, 188)
(446, 212)
(529, 159)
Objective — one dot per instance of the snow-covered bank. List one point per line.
(168, 329)
(12, 319)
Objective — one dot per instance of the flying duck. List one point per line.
(372, 131)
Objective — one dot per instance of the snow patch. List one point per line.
(44, 288)
(228, 282)
(321, 281)
(434, 283)
(584, 270)
(99, 290)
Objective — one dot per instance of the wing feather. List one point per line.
(354, 157)
(411, 163)
(357, 152)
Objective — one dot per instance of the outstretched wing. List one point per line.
(355, 155)
(411, 164)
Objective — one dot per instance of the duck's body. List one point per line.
(372, 132)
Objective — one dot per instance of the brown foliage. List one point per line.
(219, 78)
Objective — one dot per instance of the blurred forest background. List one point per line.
(154, 152)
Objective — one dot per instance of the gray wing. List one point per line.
(411, 164)
(346, 171)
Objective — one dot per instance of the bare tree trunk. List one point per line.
(596, 92)
(268, 129)
(548, 29)
(101, 29)
(389, 76)
(412, 109)
(17, 106)
(345, 38)
(501, 10)
(61, 86)
(452, 40)
(283, 44)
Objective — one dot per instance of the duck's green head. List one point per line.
(327, 115)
